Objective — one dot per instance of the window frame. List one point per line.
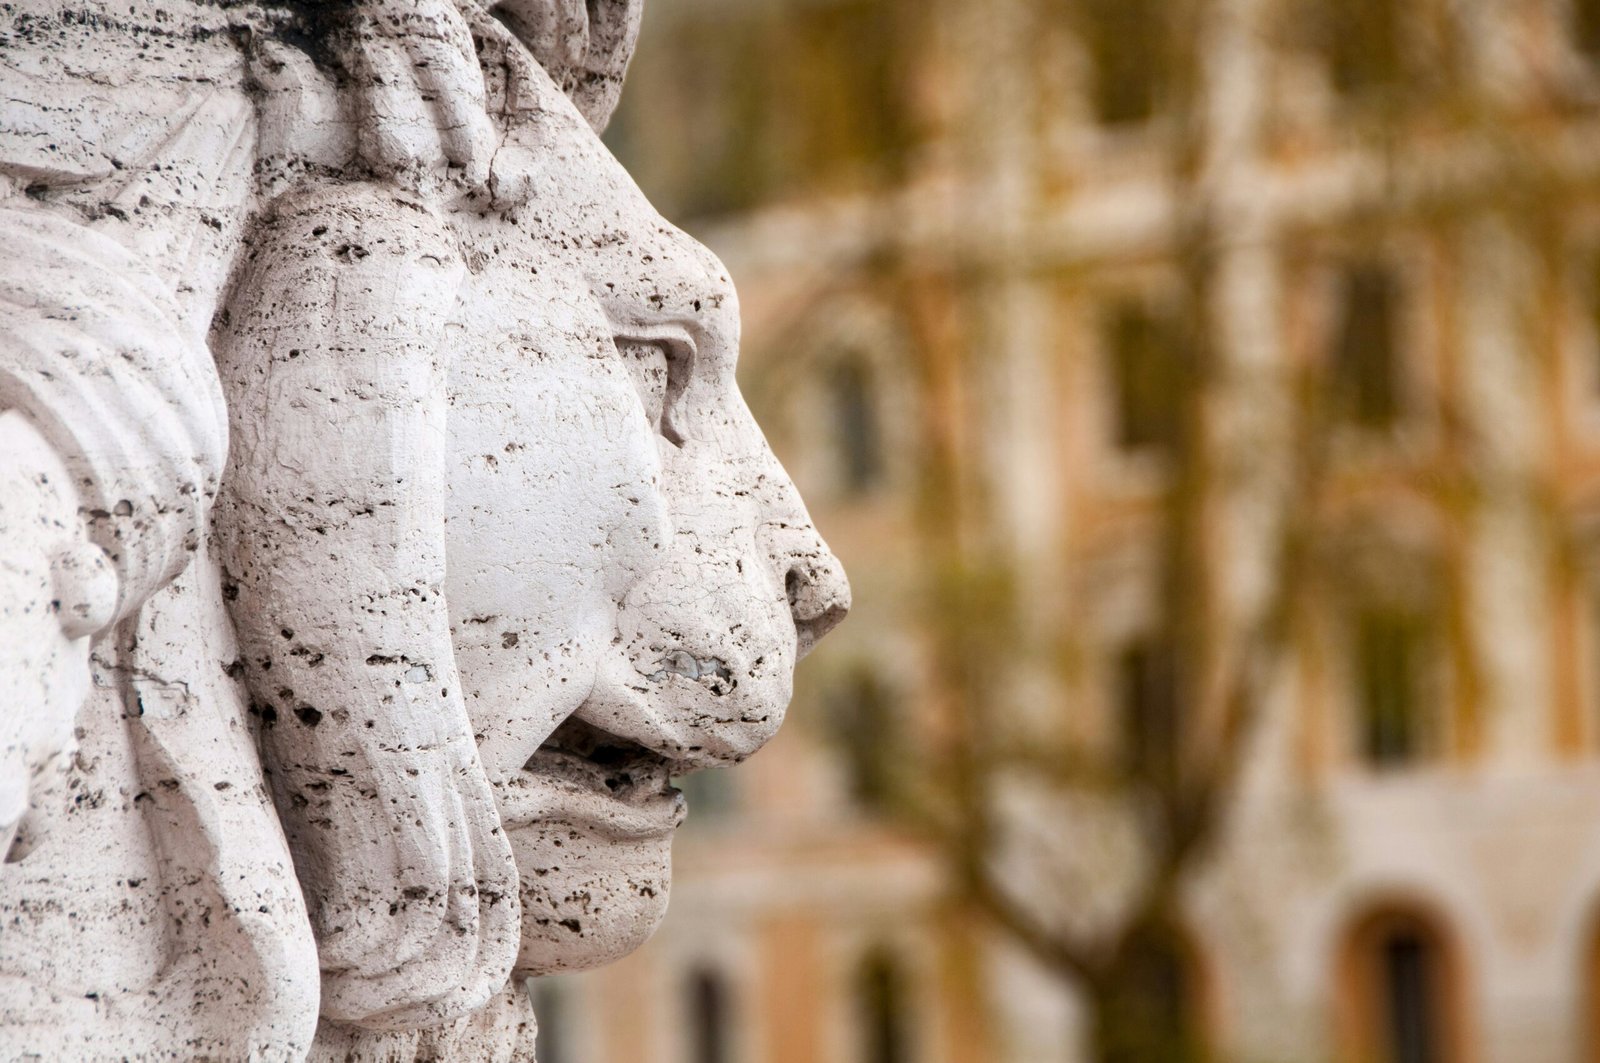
(1356, 1018)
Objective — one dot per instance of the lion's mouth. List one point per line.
(581, 751)
(583, 775)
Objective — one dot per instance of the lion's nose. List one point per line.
(813, 578)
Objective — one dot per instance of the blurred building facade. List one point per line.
(958, 234)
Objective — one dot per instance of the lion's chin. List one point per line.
(587, 899)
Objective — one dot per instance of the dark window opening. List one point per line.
(1586, 28)
(1399, 992)
(880, 993)
(1149, 699)
(867, 736)
(1408, 965)
(1147, 361)
(709, 1040)
(1361, 42)
(860, 441)
(1390, 657)
(1128, 49)
(1364, 361)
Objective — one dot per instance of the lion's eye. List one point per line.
(656, 370)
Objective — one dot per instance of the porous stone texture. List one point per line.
(383, 527)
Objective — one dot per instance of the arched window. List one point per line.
(881, 1010)
(1399, 986)
(855, 415)
(710, 1037)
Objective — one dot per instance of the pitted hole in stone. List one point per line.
(710, 672)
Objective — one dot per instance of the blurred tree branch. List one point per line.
(1230, 651)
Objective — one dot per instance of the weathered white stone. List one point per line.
(384, 709)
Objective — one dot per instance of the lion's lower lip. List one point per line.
(630, 801)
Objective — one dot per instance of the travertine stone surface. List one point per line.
(382, 527)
